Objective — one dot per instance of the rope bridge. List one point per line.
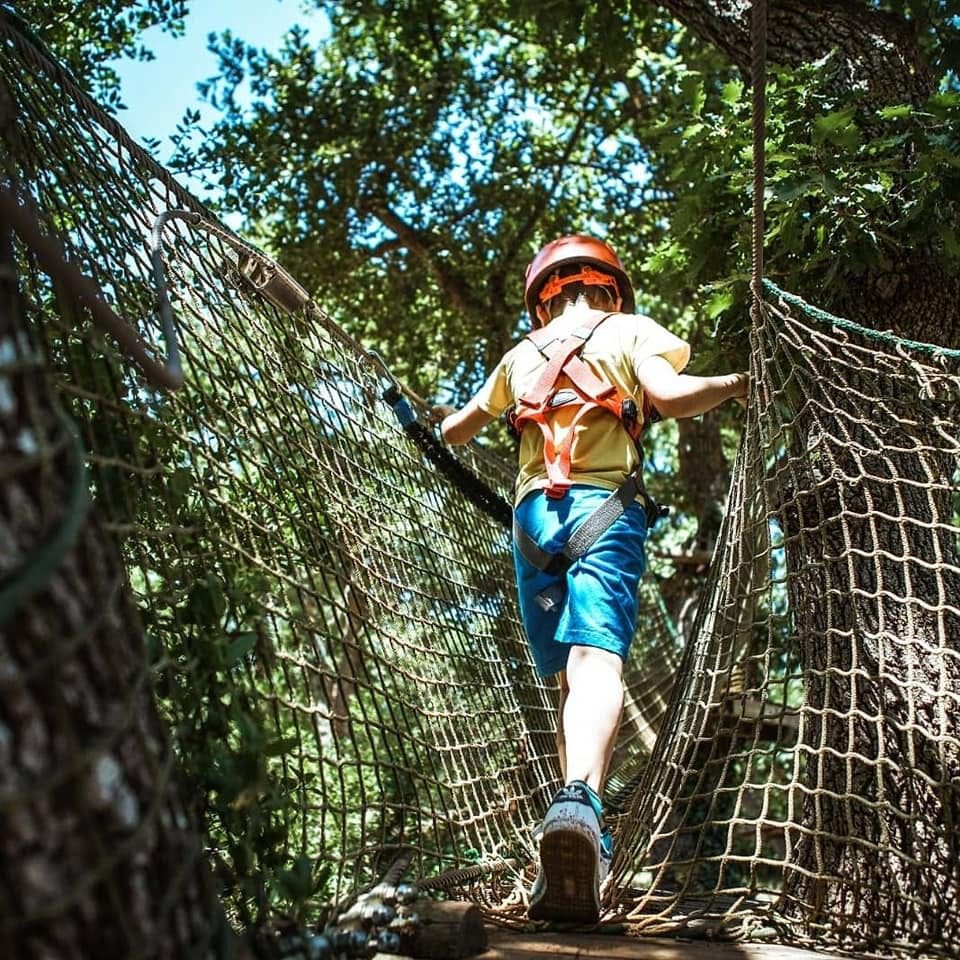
(334, 644)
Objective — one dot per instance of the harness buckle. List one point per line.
(561, 398)
(550, 597)
(654, 511)
(510, 419)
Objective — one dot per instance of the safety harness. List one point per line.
(589, 392)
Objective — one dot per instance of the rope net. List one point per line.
(809, 758)
(336, 646)
(333, 637)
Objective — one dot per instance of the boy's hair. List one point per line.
(600, 298)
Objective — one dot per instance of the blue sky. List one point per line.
(158, 91)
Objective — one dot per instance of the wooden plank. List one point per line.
(512, 945)
(448, 930)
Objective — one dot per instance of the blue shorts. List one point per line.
(598, 606)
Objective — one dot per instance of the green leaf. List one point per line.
(694, 92)
(720, 301)
(790, 190)
(179, 484)
(831, 123)
(946, 98)
(883, 184)
(276, 748)
(240, 646)
(669, 253)
(894, 112)
(297, 883)
(731, 92)
(206, 602)
(847, 138)
(249, 730)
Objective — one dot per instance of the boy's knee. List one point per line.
(584, 658)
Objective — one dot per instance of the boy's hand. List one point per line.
(458, 426)
(742, 389)
(438, 413)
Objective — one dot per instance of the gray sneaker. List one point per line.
(572, 861)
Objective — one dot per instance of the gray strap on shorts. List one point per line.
(581, 540)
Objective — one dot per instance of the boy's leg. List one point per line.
(590, 715)
(561, 736)
(599, 606)
(575, 853)
(594, 714)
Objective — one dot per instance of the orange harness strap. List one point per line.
(589, 392)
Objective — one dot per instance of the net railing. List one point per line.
(335, 644)
(807, 776)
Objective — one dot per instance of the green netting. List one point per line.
(336, 646)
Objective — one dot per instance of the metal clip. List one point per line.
(49, 252)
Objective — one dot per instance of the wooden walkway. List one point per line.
(509, 945)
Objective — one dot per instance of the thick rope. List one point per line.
(888, 339)
(50, 255)
(758, 47)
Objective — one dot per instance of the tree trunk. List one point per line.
(100, 856)
(704, 476)
(875, 53)
(873, 583)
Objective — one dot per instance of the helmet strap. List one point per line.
(587, 276)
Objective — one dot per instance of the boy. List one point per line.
(579, 385)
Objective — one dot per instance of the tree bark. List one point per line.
(876, 62)
(873, 580)
(100, 855)
(704, 476)
(876, 53)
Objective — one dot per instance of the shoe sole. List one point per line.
(569, 863)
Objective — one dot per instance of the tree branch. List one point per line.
(522, 235)
(422, 247)
(497, 283)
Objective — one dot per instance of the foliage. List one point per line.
(937, 30)
(846, 187)
(408, 165)
(86, 37)
(406, 168)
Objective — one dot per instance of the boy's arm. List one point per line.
(461, 426)
(681, 395)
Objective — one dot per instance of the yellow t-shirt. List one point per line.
(603, 455)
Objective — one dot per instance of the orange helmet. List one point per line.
(576, 249)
